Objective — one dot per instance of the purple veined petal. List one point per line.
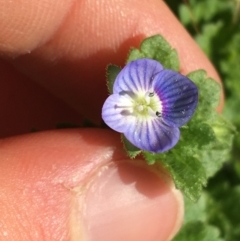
(152, 135)
(179, 96)
(115, 115)
(137, 76)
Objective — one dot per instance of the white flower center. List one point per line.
(143, 105)
(140, 108)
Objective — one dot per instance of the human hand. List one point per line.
(78, 184)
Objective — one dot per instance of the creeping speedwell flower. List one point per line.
(149, 104)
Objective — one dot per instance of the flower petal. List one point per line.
(137, 76)
(116, 114)
(152, 135)
(179, 97)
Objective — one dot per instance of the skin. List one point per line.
(78, 184)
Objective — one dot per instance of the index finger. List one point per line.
(72, 43)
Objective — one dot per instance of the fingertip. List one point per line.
(130, 201)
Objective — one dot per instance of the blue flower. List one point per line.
(149, 104)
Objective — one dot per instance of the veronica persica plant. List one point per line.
(149, 104)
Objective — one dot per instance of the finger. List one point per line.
(26, 107)
(71, 60)
(78, 185)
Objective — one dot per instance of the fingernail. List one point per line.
(128, 201)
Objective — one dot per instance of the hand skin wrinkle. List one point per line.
(35, 27)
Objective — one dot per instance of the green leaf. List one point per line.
(185, 14)
(196, 211)
(188, 175)
(198, 231)
(223, 203)
(214, 157)
(135, 54)
(224, 130)
(207, 35)
(131, 150)
(112, 72)
(218, 206)
(197, 134)
(209, 95)
(187, 172)
(229, 209)
(156, 47)
(196, 10)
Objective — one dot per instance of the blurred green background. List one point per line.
(215, 25)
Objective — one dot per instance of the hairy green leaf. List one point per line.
(156, 47)
(112, 72)
(132, 150)
(209, 95)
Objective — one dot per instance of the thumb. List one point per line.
(79, 185)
